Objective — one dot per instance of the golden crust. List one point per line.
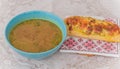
(108, 39)
(98, 29)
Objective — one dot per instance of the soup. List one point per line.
(35, 35)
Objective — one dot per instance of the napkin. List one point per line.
(91, 46)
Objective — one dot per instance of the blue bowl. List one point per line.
(36, 15)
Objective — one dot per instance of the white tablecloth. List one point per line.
(11, 60)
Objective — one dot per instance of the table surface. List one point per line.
(11, 60)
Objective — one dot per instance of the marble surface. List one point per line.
(11, 60)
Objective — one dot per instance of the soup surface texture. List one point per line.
(35, 35)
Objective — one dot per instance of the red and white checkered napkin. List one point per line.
(88, 46)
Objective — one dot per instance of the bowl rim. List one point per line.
(40, 11)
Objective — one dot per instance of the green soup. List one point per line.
(35, 35)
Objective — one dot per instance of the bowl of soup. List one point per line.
(35, 34)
